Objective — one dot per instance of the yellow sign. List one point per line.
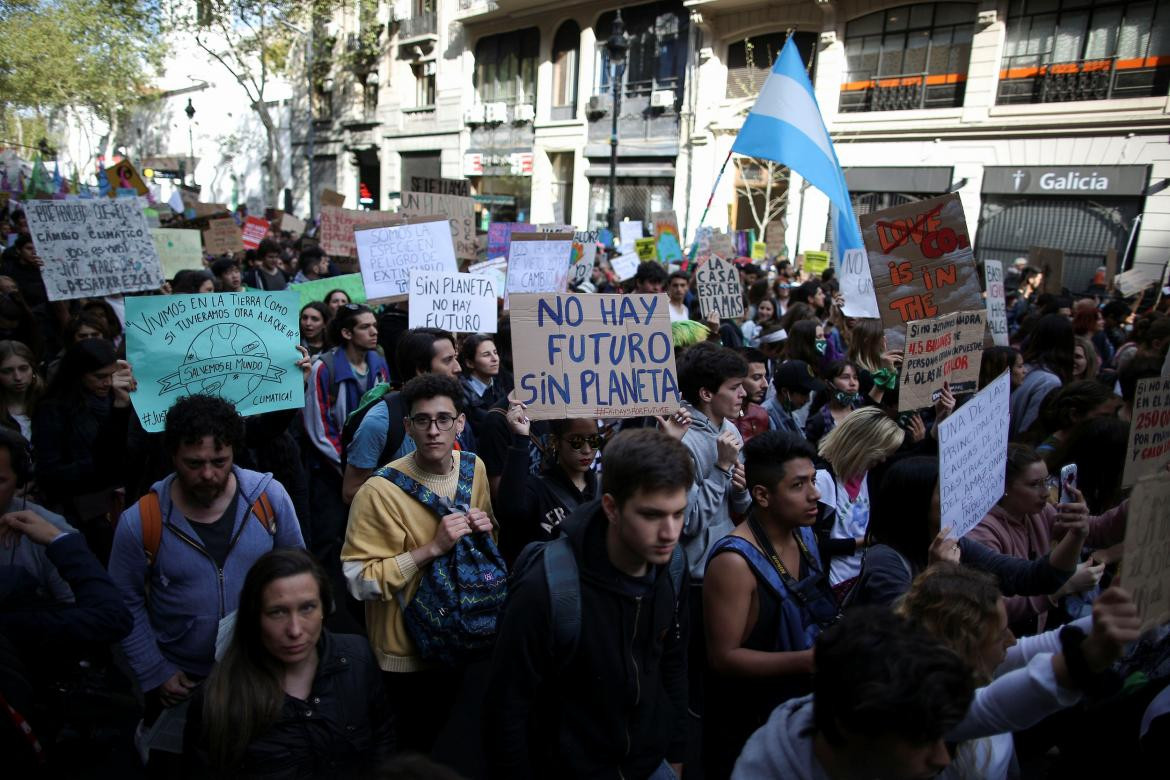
(816, 262)
(646, 249)
(759, 250)
(123, 177)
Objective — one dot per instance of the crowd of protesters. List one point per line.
(409, 577)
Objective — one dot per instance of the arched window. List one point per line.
(564, 57)
(913, 56)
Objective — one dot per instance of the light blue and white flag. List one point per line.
(785, 125)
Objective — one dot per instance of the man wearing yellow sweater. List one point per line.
(391, 538)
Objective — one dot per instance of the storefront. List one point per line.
(1083, 210)
(502, 183)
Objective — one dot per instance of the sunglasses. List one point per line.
(579, 441)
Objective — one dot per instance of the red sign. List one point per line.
(255, 229)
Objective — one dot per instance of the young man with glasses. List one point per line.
(392, 538)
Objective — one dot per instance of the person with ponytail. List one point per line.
(289, 699)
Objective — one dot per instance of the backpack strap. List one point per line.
(150, 516)
(564, 597)
(427, 497)
(264, 512)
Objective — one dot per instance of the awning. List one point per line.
(928, 181)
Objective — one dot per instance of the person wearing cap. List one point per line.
(227, 274)
(795, 383)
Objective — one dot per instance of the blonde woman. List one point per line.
(865, 438)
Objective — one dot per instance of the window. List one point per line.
(750, 60)
(914, 56)
(505, 67)
(1082, 50)
(657, 34)
(564, 56)
(424, 84)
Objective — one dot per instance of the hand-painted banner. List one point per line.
(972, 457)
(496, 270)
(222, 237)
(254, 231)
(921, 262)
(630, 231)
(1149, 430)
(458, 303)
(337, 226)
(538, 263)
(857, 286)
(499, 237)
(719, 289)
(319, 289)
(387, 255)
(93, 248)
(668, 243)
(816, 262)
(996, 307)
(178, 250)
(239, 346)
(582, 257)
(944, 349)
(459, 211)
(593, 356)
(1146, 574)
(647, 250)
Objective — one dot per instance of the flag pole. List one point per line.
(703, 217)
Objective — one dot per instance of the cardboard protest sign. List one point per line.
(857, 286)
(1149, 430)
(222, 237)
(625, 266)
(816, 262)
(722, 245)
(1051, 262)
(582, 257)
(459, 303)
(460, 212)
(774, 237)
(292, 225)
(317, 289)
(338, 225)
(760, 250)
(667, 240)
(458, 187)
(254, 231)
(93, 248)
(496, 270)
(555, 227)
(921, 262)
(538, 262)
(499, 237)
(593, 356)
(178, 250)
(124, 176)
(703, 241)
(646, 249)
(996, 307)
(1145, 564)
(972, 457)
(1110, 267)
(942, 349)
(332, 198)
(1134, 281)
(719, 289)
(629, 231)
(387, 255)
(239, 346)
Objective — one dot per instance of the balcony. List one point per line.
(904, 92)
(421, 25)
(1024, 79)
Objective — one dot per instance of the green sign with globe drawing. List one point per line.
(239, 346)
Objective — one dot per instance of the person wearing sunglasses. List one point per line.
(530, 507)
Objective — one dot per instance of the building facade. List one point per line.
(1048, 117)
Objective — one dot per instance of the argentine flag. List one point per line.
(785, 125)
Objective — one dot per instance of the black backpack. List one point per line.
(395, 432)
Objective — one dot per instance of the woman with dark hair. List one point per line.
(101, 309)
(842, 377)
(806, 342)
(484, 382)
(79, 436)
(1097, 446)
(315, 317)
(1068, 406)
(193, 281)
(289, 698)
(21, 387)
(336, 299)
(996, 360)
(1049, 359)
(905, 537)
(765, 313)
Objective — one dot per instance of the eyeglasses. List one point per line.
(422, 422)
(579, 442)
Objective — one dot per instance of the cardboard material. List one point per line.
(816, 262)
(774, 237)
(499, 237)
(457, 187)
(1145, 565)
(857, 286)
(318, 289)
(459, 303)
(972, 451)
(1051, 262)
(338, 225)
(93, 248)
(719, 289)
(582, 258)
(1148, 449)
(1110, 267)
(593, 356)
(387, 254)
(1135, 280)
(667, 240)
(722, 245)
(921, 262)
(459, 211)
(292, 225)
(178, 250)
(943, 349)
(538, 263)
(332, 198)
(239, 346)
(646, 249)
(254, 231)
(222, 237)
(997, 322)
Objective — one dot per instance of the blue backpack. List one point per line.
(452, 617)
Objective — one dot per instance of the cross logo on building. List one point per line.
(1019, 179)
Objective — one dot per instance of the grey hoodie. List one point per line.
(711, 498)
(783, 747)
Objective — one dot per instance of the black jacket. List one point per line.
(342, 729)
(529, 507)
(617, 707)
(78, 452)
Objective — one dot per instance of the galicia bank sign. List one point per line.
(1080, 180)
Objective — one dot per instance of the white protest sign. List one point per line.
(1149, 430)
(996, 308)
(459, 303)
(387, 255)
(93, 248)
(582, 257)
(538, 263)
(1145, 567)
(460, 212)
(857, 286)
(178, 250)
(625, 266)
(972, 457)
(719, 288)
(629, 231)
(496, 270)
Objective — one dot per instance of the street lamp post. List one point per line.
(190, 112)
(616, 48)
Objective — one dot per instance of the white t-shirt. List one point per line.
(851, 522)
(678, 313)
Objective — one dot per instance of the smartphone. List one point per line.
(1068, 482)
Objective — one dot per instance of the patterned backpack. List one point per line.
(452, 617)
